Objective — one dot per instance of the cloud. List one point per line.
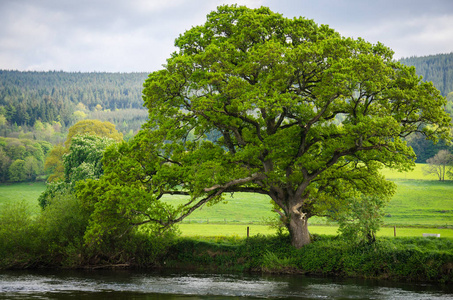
(138, 35)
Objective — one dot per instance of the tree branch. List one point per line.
(256, 176)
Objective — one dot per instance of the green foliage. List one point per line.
(361, 219)
(21, 159)
(5, 162)
(63, 225)
(32, 168)
(19, 237)
(93, 128)
(84, 160)
(415, 259)
(54, 190)
(55, 238)
(54, 163)
(17, 171)
(273, 91)
(273, 263)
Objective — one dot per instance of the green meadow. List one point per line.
(24, 191)
(240, 230)
(422, 204)
(420, 200)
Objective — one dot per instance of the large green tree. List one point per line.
(293, 111)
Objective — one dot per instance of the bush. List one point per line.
(63, 223)
(361, 219)
(20, 245)
(397, 259)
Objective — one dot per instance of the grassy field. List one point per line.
(194, 230)
(26, 191)
(420, 201)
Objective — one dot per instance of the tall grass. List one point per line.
(401, 259)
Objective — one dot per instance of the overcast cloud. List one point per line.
(138, 35)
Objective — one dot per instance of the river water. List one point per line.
(140, 285)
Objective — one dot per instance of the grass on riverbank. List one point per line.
(412, 259)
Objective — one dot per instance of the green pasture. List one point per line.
(416, 173)
(236, 208)
(24, 191)
(420, 201)
(240, 230)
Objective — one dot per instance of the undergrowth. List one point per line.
(413, 259)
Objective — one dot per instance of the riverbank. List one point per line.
(408, 259)
(403, 259)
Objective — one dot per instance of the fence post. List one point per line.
(248, 232)
(394, 231)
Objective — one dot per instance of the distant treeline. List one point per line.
(439, 70)
(22, 159)
(26, 97)
(436, 68)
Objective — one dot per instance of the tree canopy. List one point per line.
(80, 158)
(293, 110)
(93, 127)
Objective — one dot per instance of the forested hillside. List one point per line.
(436, 68)
(26, 97)
(439, 70)
(37, 108)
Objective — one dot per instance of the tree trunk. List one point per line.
(298, 230)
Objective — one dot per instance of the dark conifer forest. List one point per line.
(436, 68)
(26, 97)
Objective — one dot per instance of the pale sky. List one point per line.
(138, 35)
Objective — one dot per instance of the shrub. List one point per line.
(19, 236)
(361, 219)
(63, 223)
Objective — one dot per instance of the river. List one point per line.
(140, 285)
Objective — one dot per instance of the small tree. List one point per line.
(361, 219)
(84, 159)
(93, 127)
(439, 164)
(54, 161)
(32, 167)
(17, 171)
